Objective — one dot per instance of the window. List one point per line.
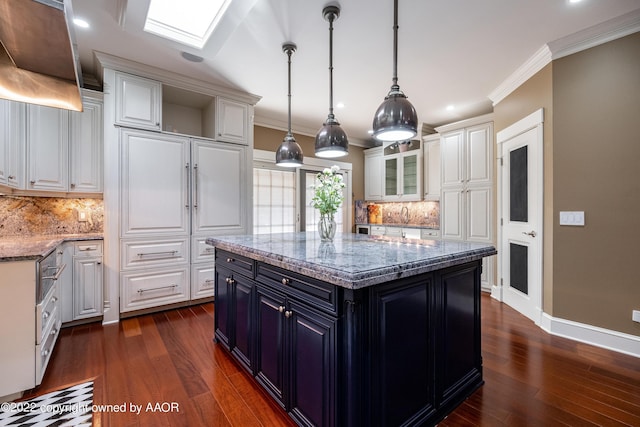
(274, 201)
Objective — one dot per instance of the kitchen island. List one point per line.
(366, 330)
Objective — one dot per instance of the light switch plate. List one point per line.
(635, 316)
(575, 218)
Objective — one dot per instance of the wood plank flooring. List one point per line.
(531, 378)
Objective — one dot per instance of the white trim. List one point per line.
(521, 126)
(527, 70)
(604, 32)
(592, 335)
(465, 123)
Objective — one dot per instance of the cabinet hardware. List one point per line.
(531, 233)
(230, 259)
(73, 185)
(32, 182)
(286, 281)
(230, 281)
(54, 331)
(186, 169)
(98, 263)
(88, 248)
(45, 353)
(195, 193)
(281, 309)
(288, 314)
(171, 253)
(208, 282)
(11, 177)
(54, 299)
(56, 276)
(45, 315)
(141, 291)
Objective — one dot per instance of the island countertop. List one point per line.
(352, 261)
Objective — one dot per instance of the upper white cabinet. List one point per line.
(86, 146)
(47, 148)
(232, 121)
(154, 174)
(373, 178)
(138, 102)
(431, 157)
(402, 172)
(12, 143)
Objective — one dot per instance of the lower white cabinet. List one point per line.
(153, 287)
(82, 283)
(202, 280)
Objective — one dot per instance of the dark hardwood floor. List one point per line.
(531, 378)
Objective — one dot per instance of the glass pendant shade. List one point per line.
(331, 140)
(289, 154)
(395, 119)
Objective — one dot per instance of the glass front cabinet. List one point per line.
(402, 171)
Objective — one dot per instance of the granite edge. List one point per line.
(46, 245)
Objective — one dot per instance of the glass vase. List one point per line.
(326, 227)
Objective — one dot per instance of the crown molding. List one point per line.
(604, 32)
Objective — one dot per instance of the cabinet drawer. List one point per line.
(202, 280)
(47, 313)
(430, 234)
(236, 263)
(153, 288)
(144, 253)
(320, 294)
(87, 248)
(45, 348)
(201, 251)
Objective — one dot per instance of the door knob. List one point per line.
(531, 233)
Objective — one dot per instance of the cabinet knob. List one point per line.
(32, 182)
(281, 309)
(230, 259)
(73, 185)
(288, 314)
(45, 315)
(285, 281)
(11, 177)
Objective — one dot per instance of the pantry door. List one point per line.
(521, 199)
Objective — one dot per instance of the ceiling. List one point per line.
(451, 52)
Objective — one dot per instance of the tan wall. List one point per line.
(596, 109)
(534, 94)
(270, 139)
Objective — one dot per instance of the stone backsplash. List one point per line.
(31, 216)
(423, 214)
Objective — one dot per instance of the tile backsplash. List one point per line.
(29, 216)
(424, 214)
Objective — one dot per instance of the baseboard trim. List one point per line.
(593, 335)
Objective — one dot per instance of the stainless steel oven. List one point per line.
(47, 272)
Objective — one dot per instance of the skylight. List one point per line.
(189, 22)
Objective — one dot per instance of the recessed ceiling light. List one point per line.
(575, 1)
(189, 22)
(451, 107)
(81, 23)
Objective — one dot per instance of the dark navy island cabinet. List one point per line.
(403, 352)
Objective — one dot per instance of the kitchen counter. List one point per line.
(352, 261)
(17, 248)
(367, 330)
(384, 224)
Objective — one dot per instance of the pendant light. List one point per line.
(289, 153)
(331, 140)
(395, 119)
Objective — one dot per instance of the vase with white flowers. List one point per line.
(327, 198)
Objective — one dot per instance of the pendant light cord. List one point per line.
(395, 46)
(289, 51)
(331, 18)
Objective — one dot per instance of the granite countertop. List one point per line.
(353, 260)
(18, 248)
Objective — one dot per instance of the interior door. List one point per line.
(521, 243)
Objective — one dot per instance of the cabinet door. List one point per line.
(222, 325)
(154, 183)
(242, 343)
(48, 148)
(138, 102)
(86, 148)
(452, 214)
(479, 154)
(452, 153)
(220, 188)
(373, 177)
(270, 342)
(202, 280)
(479, 205)
(391, 167)
(87, 287)
(5, 138)
(432, 170)
(411, 177)
(312, 356)
(231, 121)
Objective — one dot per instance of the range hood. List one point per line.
(38, 60)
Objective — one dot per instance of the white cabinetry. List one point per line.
(47, 148)
(232, 121)
(466, 206)
(12, 143)
(402, 171)
(86, 147)
(373, 177)
(138, 102)
(81, 284)
(431, 157)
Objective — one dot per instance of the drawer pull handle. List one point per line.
(208, 283)
(141, 291)
(58, 273)
(45, 315)
(281, 309)
(209, 249)
(288, 314)
(154, 254)
(230, 260)
(285, 281)
(88, 248)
